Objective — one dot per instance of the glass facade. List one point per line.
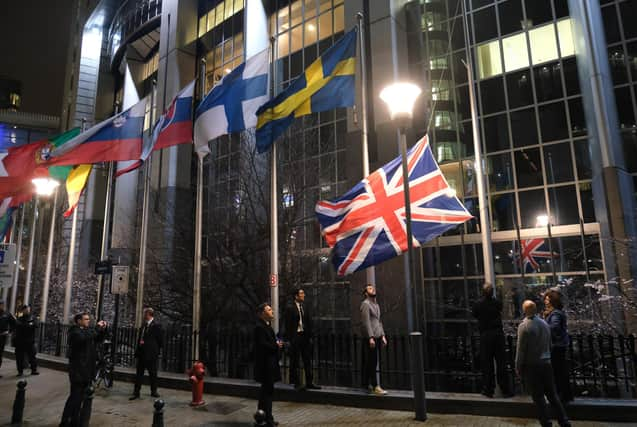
(534, 141)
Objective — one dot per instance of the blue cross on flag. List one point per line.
(231, 105)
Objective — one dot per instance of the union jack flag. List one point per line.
(367, 226)
(533, 252)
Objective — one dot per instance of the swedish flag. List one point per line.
(327, 83)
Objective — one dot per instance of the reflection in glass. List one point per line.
(496, 133)
(558, 163)
(563, 203)
(504, 211)
(519, 89)
(553, 124)
(500, 172)
(524, 127)
(528, 167)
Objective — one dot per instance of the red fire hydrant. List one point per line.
(196, 379)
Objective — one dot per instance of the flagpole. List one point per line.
(49, 261)
(370, 272)
(485, 222)
(139, 302)
(14, 293)
(196, 291)
(274, 212)
(71, 263)
(27, 283)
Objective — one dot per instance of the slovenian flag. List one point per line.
(118, 138)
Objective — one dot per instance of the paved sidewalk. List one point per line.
(47, 393)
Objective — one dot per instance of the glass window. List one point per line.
(469, 178)
(503, 257)
(524, 127)
(489, 63)
(219, 14)
(339, 19)
(466, 139)
(310, 33)
(583, 160)
(588, 206)
(451, 260)
(504, 211)
(538, 11)
(297, 39)
(473, 259)
(238, 5)
(532, 204)
(451, 172)
(631, 48)
(617, 62)
(519, 89)
(485, 26)
(283, 45)
(515, 52)
(561, 8)
(459, 70)
(457, 33)
(228, 9)
(543, 44)
(553, 123)
(500, 172)
(325, 5)
(563, 202)
(611, 26)
(454, 299)
(325, 25)
(528, 167)
(496, 133)
(565, 34)
(558, 163)
(202, 25)
(310, 8)
(570, 76)
(462, 101)
(629, 141)
(510, 16)
(578, 119)
(472, 205)
(628, 12)
(625, 110)
(492, 95)
(548, 81)
(295, 13)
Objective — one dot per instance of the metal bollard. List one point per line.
(259, 418)
(158, 415)
(18, 403)
(87, 407)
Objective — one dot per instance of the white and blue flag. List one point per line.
(231, 105)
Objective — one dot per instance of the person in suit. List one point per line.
(266, 360)
(488, 311)
(298, 332)
(82, 364)
(373, 338)
(149, 344)
(25, 332)
(7, 324)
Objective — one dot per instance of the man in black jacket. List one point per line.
(149, 343)
(298, 331)
(266, 360)
(25, 331)
(7, 323)
(488, 311)
(82, 364)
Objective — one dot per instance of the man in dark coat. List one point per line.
(488, 311)
(149, 343)
(82, 364)
(7, 323)
(266, 360)
(298, 332)
(25, 332)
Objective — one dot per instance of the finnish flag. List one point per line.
(231, 105)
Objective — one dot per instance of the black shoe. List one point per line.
(35, 373)
(133, 397)
(154, 394)
(313, 387)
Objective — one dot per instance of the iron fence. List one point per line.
(599, 365)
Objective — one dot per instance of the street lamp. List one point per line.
(44, 187)
(545, 221)
(400, 99)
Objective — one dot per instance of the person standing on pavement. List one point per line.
(7, 324)
(533, 365)
(149, 344)
(266, 360)
(82, 364)
(557, 321)
(25, 332)
(488, 311)
(373, 338)
(298, 330)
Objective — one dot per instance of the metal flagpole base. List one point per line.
(418, 375)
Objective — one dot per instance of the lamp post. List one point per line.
(47, 187)
(545, 221)
(400, 99)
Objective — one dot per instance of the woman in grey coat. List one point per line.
(373, 338)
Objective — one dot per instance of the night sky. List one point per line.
(34, 37)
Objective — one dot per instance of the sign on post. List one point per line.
(7, 264)
(119, 279)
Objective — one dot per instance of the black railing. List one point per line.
(600, 365)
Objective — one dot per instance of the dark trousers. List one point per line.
(25, 351)
(539, 380)
(71, 414)
(560, 373)
(265, 400)
(371, 360)
(151, 367)
(300, 346)
(492, 348)
(3, 342)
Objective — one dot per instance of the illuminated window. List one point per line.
(211, 19)
(325, 25)
(310, 32)
(339, 22)
(489, 59)
(543, 44)
(515, 52)
(297, 39)
(219, 14)
(440, 91)
(238, 5)
(228, 9)
(296, 13)
(202, 25)
(565, 33)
